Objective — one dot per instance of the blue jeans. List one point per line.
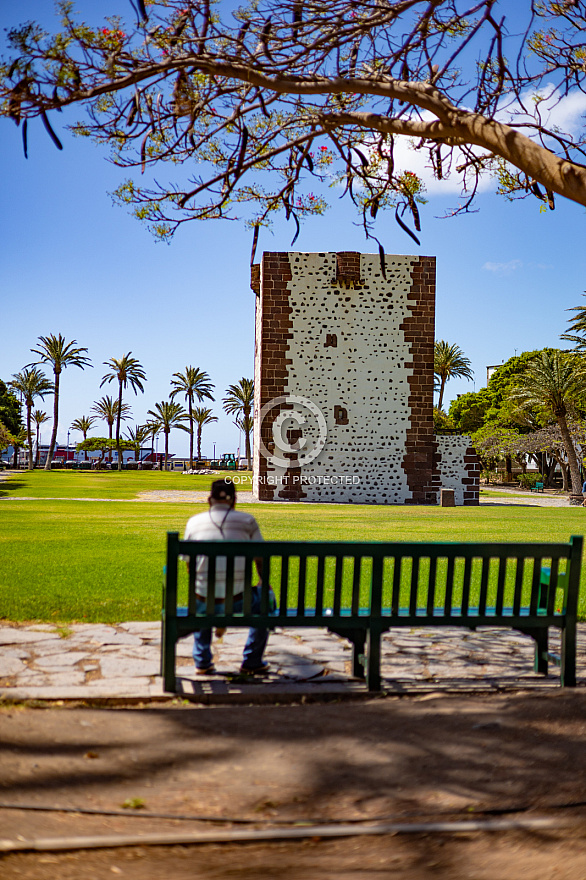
(255, 643)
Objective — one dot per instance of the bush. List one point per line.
(528, 481)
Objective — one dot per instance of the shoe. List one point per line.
(258, 670)
(220, 632)
(207, 671)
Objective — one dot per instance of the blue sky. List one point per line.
(73, 263)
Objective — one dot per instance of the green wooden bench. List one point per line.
(361, 590)
(538, 487)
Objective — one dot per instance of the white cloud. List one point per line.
(564, 113)
(409, 159)
(503, 268)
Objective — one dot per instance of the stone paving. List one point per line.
(100, 662)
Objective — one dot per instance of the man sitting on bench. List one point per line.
(223, 523)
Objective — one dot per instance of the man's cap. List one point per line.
(223, 491)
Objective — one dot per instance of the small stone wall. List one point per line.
(458, 467)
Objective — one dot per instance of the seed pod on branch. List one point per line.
(264, 38)
(50, 131)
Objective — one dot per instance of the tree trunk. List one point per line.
(166, 448)
(441, 394)
(247, 448)
(571, 453)
(38, 450)
(191, 433)
(247, 430)
(199, 441)
(55, 421)
(564, 469)
(118, 417)
(29, 432)
(565, 481)
(549, 463)
(110, 426)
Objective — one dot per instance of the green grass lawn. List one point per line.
(101, 560)
(102, 484)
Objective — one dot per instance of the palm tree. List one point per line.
(83, 424)
(192, 383)
(17, 441)
(238, 402)
(137, 437)
(577, 329)
(244, 424)
(126, 371)
(107, 409)
(448, 362)
(31, 383)
(60, 354)
(166, 416)
(39, 418)
(203, 417)
(554, 383)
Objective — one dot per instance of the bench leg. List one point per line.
(168, 645)
(373, 678)
(568, 658)
(541, 638)
(358, 639)
(358, 644)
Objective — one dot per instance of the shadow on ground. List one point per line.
(394, 759)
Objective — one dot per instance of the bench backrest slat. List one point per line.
(338, 570)
(230, 562)
(550, 601)
(484, 586)
(466, 586)
(500, 586)
(283, 592)
(535, 581)
(376, 588)
(319, 587)
(448, 599)
(355, 586)
(191, 589)
(517, 595)
(432, 591)
(247, 599)
(301, 585)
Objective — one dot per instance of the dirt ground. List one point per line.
(417, 760)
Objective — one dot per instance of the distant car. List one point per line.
(4, 465)
(242, 463)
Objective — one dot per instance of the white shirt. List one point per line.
(221, 523)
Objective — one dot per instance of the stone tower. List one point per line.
(344, 380)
